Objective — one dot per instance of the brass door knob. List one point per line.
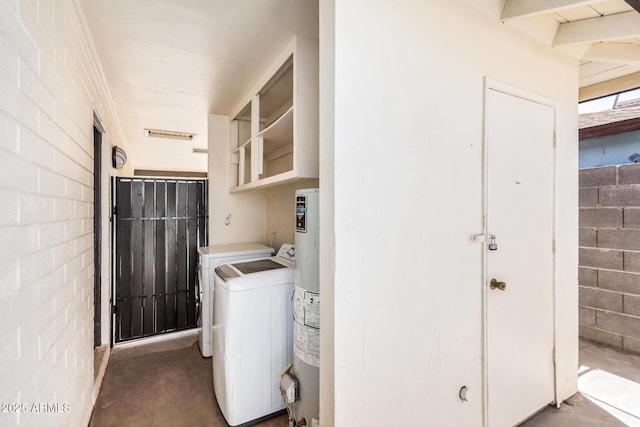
(497, 285)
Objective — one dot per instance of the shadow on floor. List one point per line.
(143, 387)
(170, 384)
(609, 391)
(578, 411)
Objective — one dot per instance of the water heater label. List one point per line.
(306, 307)
(306, 344)
(301, 214)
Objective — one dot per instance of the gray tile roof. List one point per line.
(617, 114)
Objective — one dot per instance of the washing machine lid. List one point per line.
(226, 272)
(242, 269)
(250, 267)
(262, 273)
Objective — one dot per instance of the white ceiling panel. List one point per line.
(611, 7)
(614, 53)
(602, 28)
(578, 13)
(597, 72)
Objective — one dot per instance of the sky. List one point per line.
(607, 102)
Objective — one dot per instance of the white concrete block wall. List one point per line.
(50, 86)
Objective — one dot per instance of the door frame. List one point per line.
(97, 236)
(491, 84)
(112, 258)
(101, 296)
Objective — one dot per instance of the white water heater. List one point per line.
(304, 406)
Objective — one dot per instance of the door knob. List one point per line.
(497, 285)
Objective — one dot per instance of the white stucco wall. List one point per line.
(406, 181)
(247, 210)
(327, 209)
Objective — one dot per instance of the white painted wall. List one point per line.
(50, 85)
(401, 172)
(281, 212)
(327, 210)
(247, 210)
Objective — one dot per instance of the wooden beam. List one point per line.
(628, 82)
(624, 25)
(613, 53)
(520, 8)
(608, 129)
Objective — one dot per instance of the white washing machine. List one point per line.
(210, 257)
(252, 334)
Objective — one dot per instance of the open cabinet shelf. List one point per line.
(241, 159)
(275, 131)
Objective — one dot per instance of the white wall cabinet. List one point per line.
(274, 132)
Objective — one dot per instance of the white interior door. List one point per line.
(520, 183)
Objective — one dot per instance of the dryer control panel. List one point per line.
(287, 251)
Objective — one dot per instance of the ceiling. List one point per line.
(604, 35)
(169, 64)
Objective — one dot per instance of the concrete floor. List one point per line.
(165, 383)
(609, 391)
(168, 383)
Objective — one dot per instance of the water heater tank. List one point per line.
(306, 325)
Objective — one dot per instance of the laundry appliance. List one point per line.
(210, 257)
(252, 334)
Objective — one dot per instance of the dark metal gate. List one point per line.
(159, 225)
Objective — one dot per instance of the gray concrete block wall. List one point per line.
(609, 255)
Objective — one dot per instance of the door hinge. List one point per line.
(114, 309)
(554, 139)
(114, 210)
